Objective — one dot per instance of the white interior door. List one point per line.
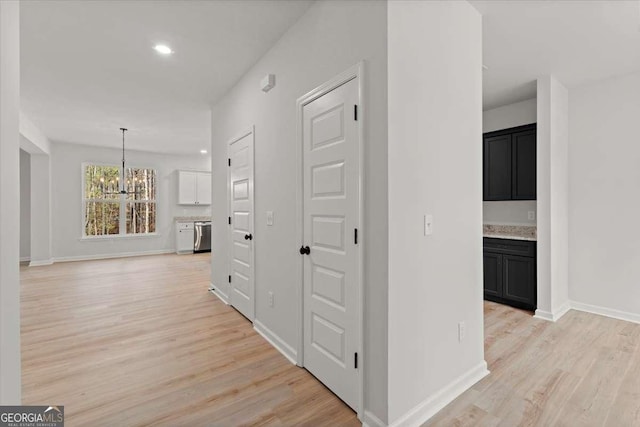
(331, 171)
(241, 259)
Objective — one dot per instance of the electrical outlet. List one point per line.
(269, 217)
(270, 299)
(531, 215)
(462, 331)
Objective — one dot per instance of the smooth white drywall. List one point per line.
(552, 198)
(435, 282)
(66, 173)
(328, 39)
(25, 205)
(508, 116)
(511, 212)
(604, 208)
(36, 141)
(40, 221)
(10, 387)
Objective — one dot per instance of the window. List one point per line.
(107, 212)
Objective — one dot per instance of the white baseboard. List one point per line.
(25, 259)
(371, 420)
(287, 351)
(608, 312)
(434, 403)
(224, 298)
(555, 315)
(110, 256)
(41, 262)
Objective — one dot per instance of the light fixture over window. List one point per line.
(163, 49)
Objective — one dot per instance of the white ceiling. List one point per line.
(89, 68)
(577, 41)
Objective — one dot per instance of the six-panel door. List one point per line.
(331, 215)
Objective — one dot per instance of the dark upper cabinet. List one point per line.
(509, 164)
(510, 272)
(523, 174)
(497, 167)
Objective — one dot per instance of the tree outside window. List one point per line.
(107, 212)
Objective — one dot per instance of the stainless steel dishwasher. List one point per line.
(202, 236)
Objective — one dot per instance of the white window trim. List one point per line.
(123, 224)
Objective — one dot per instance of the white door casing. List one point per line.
(241, 214)
(331, 195)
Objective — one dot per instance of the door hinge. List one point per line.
(355, 112)
(355, 236)
(229, 220)
(229, 161)
(355, 360)
(229, 278)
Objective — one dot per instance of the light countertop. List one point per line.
(191, 218)
(514, 232)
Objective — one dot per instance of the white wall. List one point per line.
(435, 114)
(10, 388)
(25, 205)
(41, 217)
(328, 39)
(511, 115)
(604, 207)
(66, 172)
(552, 146)
(512, 212)
(35, 141)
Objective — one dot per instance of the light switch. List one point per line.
(428, 225)
(269, 217)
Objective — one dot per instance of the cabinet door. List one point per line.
(524, 165)
(492, 274)
(203, 188)
(187, 188)
(519, 279)
(497, 167)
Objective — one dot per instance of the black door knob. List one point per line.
(248, 237)
(305, 250)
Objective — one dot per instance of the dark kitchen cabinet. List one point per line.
(510, 272)
(509, 164)
(497, 167)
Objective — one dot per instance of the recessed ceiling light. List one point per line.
(203, 151)
(163, 49)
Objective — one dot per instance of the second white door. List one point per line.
(331, 171)
(241, 259)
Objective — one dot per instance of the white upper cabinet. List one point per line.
(194, 188)
(203, 188)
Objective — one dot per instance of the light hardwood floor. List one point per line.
(583, 370)
(139, 341)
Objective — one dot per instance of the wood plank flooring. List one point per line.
(583, 370)
(139, 341)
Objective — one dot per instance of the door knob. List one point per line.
(305, 250)
(248, 237)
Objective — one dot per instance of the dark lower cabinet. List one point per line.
(510, 272)
(492, 274)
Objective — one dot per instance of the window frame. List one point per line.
(122, 202)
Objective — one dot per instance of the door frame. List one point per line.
(353, 72)
(252, 253)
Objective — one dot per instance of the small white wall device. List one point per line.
(268, 82)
